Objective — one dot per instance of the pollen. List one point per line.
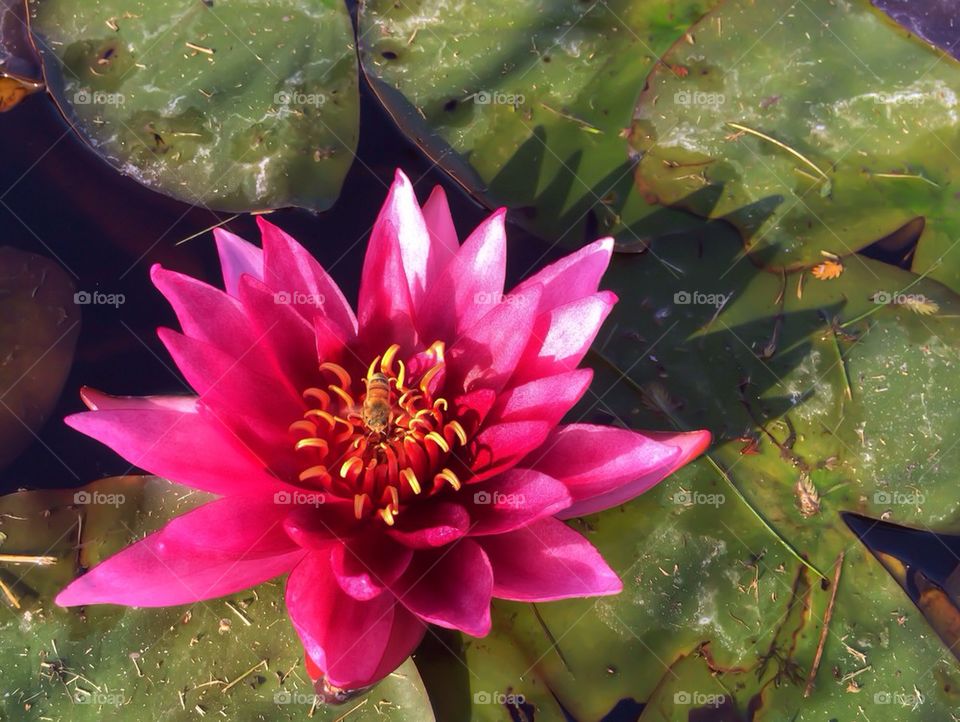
(385, 439)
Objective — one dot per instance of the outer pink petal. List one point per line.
(501, 446)
(355, 643)
(515, 499)
(385, 307)
(546, 561)
(189, 448)
(99, 401)
(487, 354)
(605, 466)
(547, 399)
(289, 268)
(431, 524)
(444, 243)
(470, 286)
(366, 565)
(573, 276)
(450, 587)
(562, 336)
(237, 257)
(219, 548)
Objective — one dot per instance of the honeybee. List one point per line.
(376, 404)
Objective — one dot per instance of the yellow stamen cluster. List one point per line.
(383, 444)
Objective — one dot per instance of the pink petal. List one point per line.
(354, 642)
(99, 401)
(444, 243)
(514, 499)
(487, 354)
(604, 466)
(320, 527)
(450, 587)
(546, 399)
(562, 336)
(219, 548)
(470, 286)
(237, 257)
(546, 561)
(289, 268)
(431, 524)
(366, 565)
(188, 448)
(573, 276)
(501, 446)
(385, 307)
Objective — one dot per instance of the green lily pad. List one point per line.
(526, 103)
(236, 657)
(38, 333)
(852, 136)
(238, 105)
(719, 616)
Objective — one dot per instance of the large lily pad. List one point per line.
(525, 103)
(236, 658)
(850, 138)
(237, 106)
(39, 325)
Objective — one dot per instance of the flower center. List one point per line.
(381, 442)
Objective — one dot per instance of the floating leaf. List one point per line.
(234, 105)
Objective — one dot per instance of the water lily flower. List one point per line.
(403, 465)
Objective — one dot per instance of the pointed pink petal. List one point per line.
(546, 561)
(366, 565)
(99, 401)
(546, 399)
(188, 448)
(352, 641)
(562, 336)
(219, 548)
(320, 527)
(573, 276)
(487, 354)
(514, 499)
(604, 466)
(450, 587)
(501, 446)
(430, 524)
(385, 309)
(444, 243)
(237, 257)
(470, 286)
(289, 268)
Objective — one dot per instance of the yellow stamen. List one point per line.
(338, 371)
(408, 476)
(401, 375)
(325, 415)
(358, 502)
(428, 377)
(313, 472)
(372, 368)
(457, 429)
(314, 443)
(441, 403)
(387, 364)
(387, 515)
(303, 426)
(450, 477)
(394, 495)
(347, 398)
(318, 395)
(439, 441)
(354, 463)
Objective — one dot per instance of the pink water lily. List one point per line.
(404, 465)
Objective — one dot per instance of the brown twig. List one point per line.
(838, 566)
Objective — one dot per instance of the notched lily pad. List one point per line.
(238, 106)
